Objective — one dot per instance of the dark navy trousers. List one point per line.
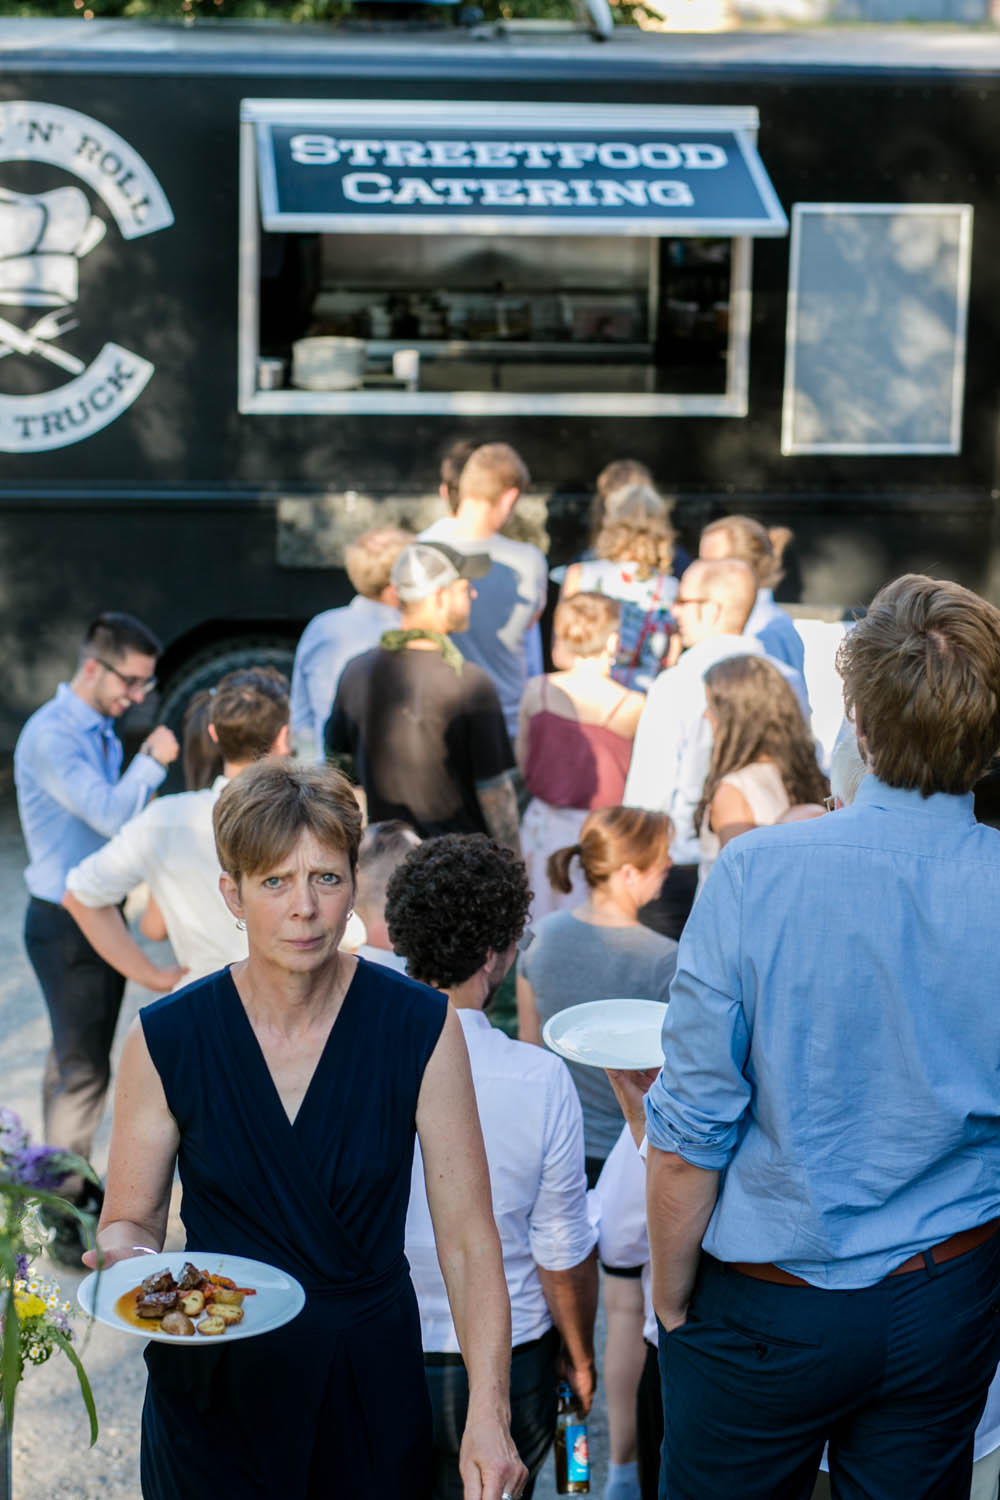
(894, 1376)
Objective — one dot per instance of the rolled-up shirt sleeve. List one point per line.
(559, 1228)
(696, 1106)
(105, 877)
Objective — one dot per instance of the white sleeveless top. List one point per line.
(764, 790)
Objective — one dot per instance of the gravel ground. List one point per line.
(51, 1457)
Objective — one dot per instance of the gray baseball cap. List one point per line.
(423, 567)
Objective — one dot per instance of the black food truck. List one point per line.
(254, 280)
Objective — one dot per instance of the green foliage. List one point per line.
(275, 10)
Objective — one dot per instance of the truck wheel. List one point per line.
(203, 670)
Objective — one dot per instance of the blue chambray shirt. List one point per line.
(71, 796)
(832, 1044)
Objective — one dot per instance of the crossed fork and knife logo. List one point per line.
(37, 340)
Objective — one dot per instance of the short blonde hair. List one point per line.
(369, 558)
(492, 470)
(263, 811)
(759, 546)
(584, 622)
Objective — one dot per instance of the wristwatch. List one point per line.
(145, 750)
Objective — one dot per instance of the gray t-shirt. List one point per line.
(508, 599)
(571, 962)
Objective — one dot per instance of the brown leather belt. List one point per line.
(949, 1249)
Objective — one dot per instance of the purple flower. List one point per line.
(13, 1136)
(21, 1266)
(40, 1167)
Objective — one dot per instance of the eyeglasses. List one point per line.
(141, 685)
(679, 601)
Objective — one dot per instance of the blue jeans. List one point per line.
(894, 1376)
(533, 1381)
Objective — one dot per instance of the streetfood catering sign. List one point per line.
(419, 168)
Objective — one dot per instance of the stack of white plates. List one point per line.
(328, 363)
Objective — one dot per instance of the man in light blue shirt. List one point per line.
(824, 1178)
(336, 636)
(71, 798)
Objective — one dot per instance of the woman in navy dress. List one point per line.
(288, 1089)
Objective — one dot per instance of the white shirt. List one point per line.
(533, 1129)
(673, 743)
(383, 956)
(618, 1206)
(171, 846)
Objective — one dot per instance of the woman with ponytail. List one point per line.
(762, 549)
(599, 951)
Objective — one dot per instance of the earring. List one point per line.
(241, 924)
(350, 914)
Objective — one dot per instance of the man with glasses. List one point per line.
(72, 797)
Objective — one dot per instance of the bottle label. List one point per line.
(577, 1454)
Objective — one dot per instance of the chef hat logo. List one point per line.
(42, 238)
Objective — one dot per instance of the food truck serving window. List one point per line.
(875, 347)
(456, 258)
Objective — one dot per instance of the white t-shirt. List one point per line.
(171, 846)
(533, 1130)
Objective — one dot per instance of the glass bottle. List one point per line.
(572, 1454)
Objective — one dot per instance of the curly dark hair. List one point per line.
(451, 901)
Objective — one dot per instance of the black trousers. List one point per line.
(668, 912)
(533, 1380)
(83, 995)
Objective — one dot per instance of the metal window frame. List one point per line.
(790, 446)
(733, 402)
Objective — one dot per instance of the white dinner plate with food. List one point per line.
(271, 1297)
(608, 1033)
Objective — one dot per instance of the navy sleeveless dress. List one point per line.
(335, 1403)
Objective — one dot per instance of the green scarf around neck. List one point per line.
(397, 640)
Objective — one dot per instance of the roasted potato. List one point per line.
(224, 1310)
(225, 1294)
(177, 1323)
(211, 1325)
(193, 1302)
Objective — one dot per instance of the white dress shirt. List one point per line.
(533, 1131)
(171, 846)
(383, 956)
(673, 743)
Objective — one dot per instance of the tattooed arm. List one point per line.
(498, 802)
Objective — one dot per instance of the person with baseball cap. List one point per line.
(422, 727)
